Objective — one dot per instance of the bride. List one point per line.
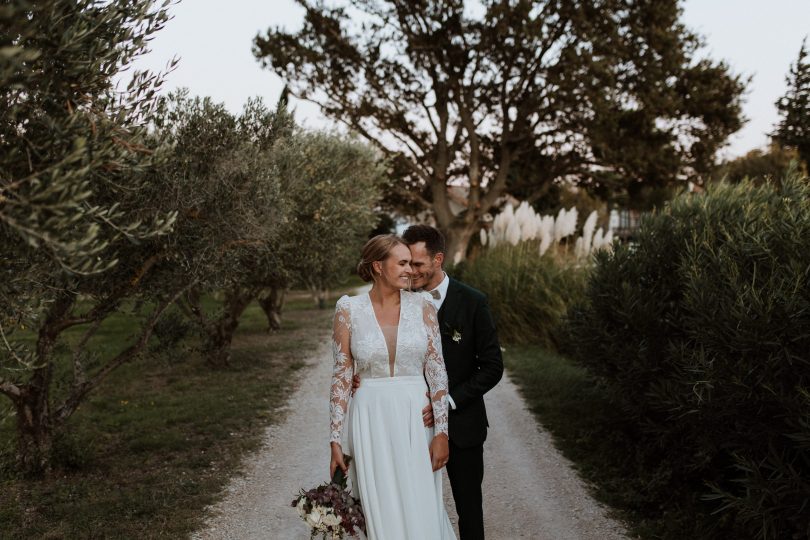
(390, 338)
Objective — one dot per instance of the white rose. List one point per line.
(331, 520)
(314, 518)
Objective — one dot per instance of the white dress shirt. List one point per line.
(442, 288)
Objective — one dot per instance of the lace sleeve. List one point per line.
(344, 367)
(435, 372)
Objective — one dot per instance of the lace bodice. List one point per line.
(359, 346)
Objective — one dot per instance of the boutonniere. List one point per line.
(454, 333)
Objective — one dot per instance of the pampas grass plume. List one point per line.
(513, 232)
(587, 232)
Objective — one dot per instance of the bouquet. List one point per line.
(330, 509)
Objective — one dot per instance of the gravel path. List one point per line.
(530, 490)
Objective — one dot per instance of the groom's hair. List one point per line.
(433, 239)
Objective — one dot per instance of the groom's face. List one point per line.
(425, 268)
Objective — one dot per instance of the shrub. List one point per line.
(702, 330)
(170, 331)
(528, 292)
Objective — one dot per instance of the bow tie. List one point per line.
(436, 294)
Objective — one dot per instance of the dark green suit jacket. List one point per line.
(472, 356)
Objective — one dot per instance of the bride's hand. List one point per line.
(337, 460)
(439, 451)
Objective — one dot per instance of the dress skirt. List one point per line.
(391, 472)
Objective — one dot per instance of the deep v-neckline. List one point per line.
(391, 365)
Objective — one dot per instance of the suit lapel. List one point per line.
(448, 320)
(450, 306)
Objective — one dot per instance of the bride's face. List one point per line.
(395, 270)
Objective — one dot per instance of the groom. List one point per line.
(472, 357)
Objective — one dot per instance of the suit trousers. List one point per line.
(465, 468)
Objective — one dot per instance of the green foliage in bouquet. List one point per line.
(330, 510)
(702, 331)
(528, 292)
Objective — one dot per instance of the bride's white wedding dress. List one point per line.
(384, 431)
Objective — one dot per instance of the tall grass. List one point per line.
(528, 292)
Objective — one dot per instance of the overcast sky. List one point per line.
(756, 38)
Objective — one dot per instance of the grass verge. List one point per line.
(157, 442)
(589, 430)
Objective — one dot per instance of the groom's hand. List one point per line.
(355, 383)
(427, 412)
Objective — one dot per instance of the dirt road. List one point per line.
(530, 490)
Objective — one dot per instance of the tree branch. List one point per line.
(10, 389)
(108, 304)
(192, 298)
(79, 391)
(9, 348)
(416, 197)
(79, 374)
(499, 184)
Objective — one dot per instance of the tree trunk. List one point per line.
(272, 304)
(220, 332)
(34, 425)
(217, 350)
(458, 240)
(319, 294)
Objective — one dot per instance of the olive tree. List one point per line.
(330, 185)
(230, 209)
(333, 185)
(75, 234)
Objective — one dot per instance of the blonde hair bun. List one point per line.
(375, 250)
